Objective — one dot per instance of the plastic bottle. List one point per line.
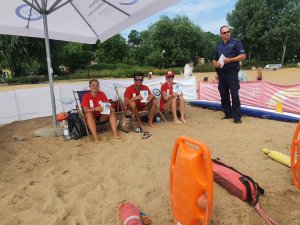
(157, 119)
(66, 130)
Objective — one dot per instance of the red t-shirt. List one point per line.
(131, 92)
(91, 102)
(169, 90)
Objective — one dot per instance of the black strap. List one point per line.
(248, 189)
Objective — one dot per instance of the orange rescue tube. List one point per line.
(295, 157)
(191, 182)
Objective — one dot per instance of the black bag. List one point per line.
(76, 126)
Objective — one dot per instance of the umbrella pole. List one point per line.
(49, 66)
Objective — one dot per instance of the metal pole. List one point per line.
(50, 70)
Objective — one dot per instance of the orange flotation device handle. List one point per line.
(295, 157)
(191, 158)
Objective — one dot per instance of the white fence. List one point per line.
(33, 103)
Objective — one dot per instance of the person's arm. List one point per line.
(235, 59)
(215, 59)
(241, 54)
(128, 98)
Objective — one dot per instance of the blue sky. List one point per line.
(210, 15)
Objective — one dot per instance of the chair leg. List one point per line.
(162, 116)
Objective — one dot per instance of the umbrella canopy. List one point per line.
(84, 21)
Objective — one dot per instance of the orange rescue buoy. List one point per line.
(191, 182)
(295, 157)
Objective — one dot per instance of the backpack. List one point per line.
(238, 184)
(76, 126)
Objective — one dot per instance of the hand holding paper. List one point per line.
(144, 95)
(105, 108)
(177, 88)
(221, 60)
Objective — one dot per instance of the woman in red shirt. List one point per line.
(171, 98)
(91, 103)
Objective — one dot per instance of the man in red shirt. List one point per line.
(170, 99)
(135, 102)
(91, 103)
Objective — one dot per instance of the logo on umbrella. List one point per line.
(25, 12)
(129, 3)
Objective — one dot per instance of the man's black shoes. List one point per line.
(237, 121)
(227, 117)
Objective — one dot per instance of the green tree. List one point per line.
(266, 27)
(134, 38)
(21, 55)
(113, 50)
(76, 55)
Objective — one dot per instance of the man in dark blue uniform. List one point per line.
(226, 59)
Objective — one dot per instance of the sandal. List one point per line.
(146, 135)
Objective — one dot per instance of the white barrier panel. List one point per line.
(36, 102)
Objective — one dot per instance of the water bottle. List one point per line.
(66, 130)
(157, 119)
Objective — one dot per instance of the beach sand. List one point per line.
(51, 181)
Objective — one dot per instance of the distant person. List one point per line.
(188, 69)
(226, 59)
(91, 103)
(242, 75)
(170, 99)
(149, 77)
(259, 74)
(134, 101)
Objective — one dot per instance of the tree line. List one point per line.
(269, 31)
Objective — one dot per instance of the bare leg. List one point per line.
(134, 110)
(174, 111)
(113, 123)
(91, 122)
(182, 108)
(152, 111)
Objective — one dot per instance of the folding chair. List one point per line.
(128, 113)
(78, 98)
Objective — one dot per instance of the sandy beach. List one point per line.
(49, 181)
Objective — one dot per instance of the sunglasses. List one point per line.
(141, 80)
(226, 32)
(170, 76)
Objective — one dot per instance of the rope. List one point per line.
(263, 215)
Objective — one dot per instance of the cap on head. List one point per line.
(169, 73)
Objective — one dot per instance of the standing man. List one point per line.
(226, 59)
(134, 101)
(188, 69)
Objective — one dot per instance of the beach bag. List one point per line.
(76, 126)
(238, 184)
(125, 124)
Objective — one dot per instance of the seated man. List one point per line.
(91, 103)
(170, 99)
(135, 102)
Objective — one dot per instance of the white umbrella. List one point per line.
(83, 21)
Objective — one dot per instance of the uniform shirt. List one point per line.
(169, 90)
(91, 102)
(188, 71)
(131, 92)
(231, 49)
